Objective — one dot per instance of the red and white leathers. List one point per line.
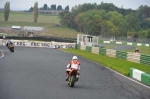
(74, 64)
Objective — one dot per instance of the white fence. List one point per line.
(32, 28)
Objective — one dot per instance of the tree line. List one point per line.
(32, 9)
(52, 7)
(106, 19)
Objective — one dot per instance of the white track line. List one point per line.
(2, 54)
(115, 72)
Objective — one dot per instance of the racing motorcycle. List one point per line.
(11, 48)
(73, 78)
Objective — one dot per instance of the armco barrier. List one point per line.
(140, 76)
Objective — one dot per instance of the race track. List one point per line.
(39, 73)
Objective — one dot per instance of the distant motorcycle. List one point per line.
(72, 77)
(11, 48)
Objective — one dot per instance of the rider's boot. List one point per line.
(77, 77)
(67, 77)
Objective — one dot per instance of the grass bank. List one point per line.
(48, 21)
(143, 49)
(119, 65)
(51, 30)
(29, 17)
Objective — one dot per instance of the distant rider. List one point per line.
(137, 50)
(8, 43)
(73, 64)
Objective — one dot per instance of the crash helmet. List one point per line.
(74, 58)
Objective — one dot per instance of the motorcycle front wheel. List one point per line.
(72, 81)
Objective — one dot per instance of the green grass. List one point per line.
(47, 21)
(9, 35)
(143, 49)
(119, 65)
(28, 17)
(109, 47)
(51, 30)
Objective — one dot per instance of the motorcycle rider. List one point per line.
(137, 50)
(73, 64)
(8, 43)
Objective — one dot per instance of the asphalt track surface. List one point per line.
(39, 73)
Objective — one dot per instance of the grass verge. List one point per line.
(109, 47)
(51, 30)
(119, 65)
(29, 17)
(143, 49)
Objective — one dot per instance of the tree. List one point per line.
(59, 7)
(123, 26)
(31, 9)
(45, 7)
(143, 34)
(53, 7)
(6, 11)
(61, 14)
(107, 28)
(78, 20)
(107, 7)
(144, 11)
(91, 22)
(67, 19)
(134, 21)
(148, 32)
(35, 11)
(67, 8)
(107, 19)
(146, 23)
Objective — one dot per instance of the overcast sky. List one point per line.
(26, 4)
